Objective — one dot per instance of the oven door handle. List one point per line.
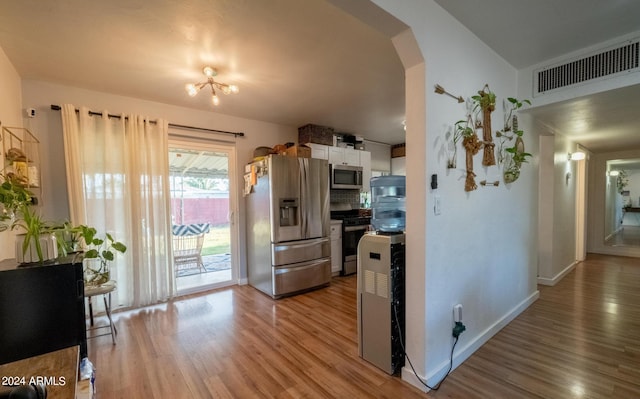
(355, 228)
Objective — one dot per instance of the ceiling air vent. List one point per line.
(615, 60)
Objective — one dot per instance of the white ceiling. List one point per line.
(300, 62)
(295, 62)
(526, 33)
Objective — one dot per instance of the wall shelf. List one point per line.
(21, 151)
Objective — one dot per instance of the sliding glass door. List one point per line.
(202, 210)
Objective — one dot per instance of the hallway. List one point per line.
(580, 339)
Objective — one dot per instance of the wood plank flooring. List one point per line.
(581, 339)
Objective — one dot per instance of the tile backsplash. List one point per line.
(346, 196)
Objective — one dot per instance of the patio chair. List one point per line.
(187, 246)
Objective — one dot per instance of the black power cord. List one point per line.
(457, 330)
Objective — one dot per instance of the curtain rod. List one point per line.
(235, 134)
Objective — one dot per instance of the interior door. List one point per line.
(203, 201)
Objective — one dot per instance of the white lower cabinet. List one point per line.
(336, 246)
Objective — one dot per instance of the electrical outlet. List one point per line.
(457, 313)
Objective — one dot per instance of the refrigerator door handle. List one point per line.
(306, 243)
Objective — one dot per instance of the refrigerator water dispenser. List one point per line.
(288, 212)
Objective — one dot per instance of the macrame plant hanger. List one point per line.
(488, 105)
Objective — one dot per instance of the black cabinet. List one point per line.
(41, 309)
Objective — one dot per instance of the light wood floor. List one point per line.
(581, 339)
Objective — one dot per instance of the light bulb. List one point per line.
(192, 90)
(215, 100)
(226, 89)
(209, 72)
(234, 89)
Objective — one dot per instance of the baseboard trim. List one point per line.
(467, 350)
(554, 280)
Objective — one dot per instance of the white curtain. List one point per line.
(118, 182)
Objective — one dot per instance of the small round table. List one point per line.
(105, 290)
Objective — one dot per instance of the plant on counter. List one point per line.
(99, 252)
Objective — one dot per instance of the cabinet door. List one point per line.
(319, 151)
(365, 162)
(351, 157)
(336, 155)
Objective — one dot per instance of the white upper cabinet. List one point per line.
(365, 162)
(344, 156)
(319, 151)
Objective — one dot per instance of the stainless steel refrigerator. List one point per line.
(288, 225)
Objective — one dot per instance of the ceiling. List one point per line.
(602, 122)
(299, 62)
(295, 62)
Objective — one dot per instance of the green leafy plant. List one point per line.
(102, 249)
(515, 106)
(462, 129)
(484, 100)
(14, 199)
(19, 213)
(518, 157)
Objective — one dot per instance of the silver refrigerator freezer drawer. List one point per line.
(301, 276)
(300, 251)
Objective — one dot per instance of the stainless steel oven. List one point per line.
(352, 231)
(353, 228)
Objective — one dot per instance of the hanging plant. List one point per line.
(511, 116)
(486, 102)
(472, 145)
(512, 157)
(516, 157)
(452, 148)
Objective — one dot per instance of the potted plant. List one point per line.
(98, 254)
(36, 240)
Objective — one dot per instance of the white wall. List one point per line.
(557, 209)
(482, 250)
(48, 128)
(10, 115)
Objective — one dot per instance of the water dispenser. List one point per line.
(288, 212)
(388, 195)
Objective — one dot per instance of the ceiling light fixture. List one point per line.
(210, 73)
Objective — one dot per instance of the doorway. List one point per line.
(201, 180)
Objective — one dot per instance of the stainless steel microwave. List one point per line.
(346, 177)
